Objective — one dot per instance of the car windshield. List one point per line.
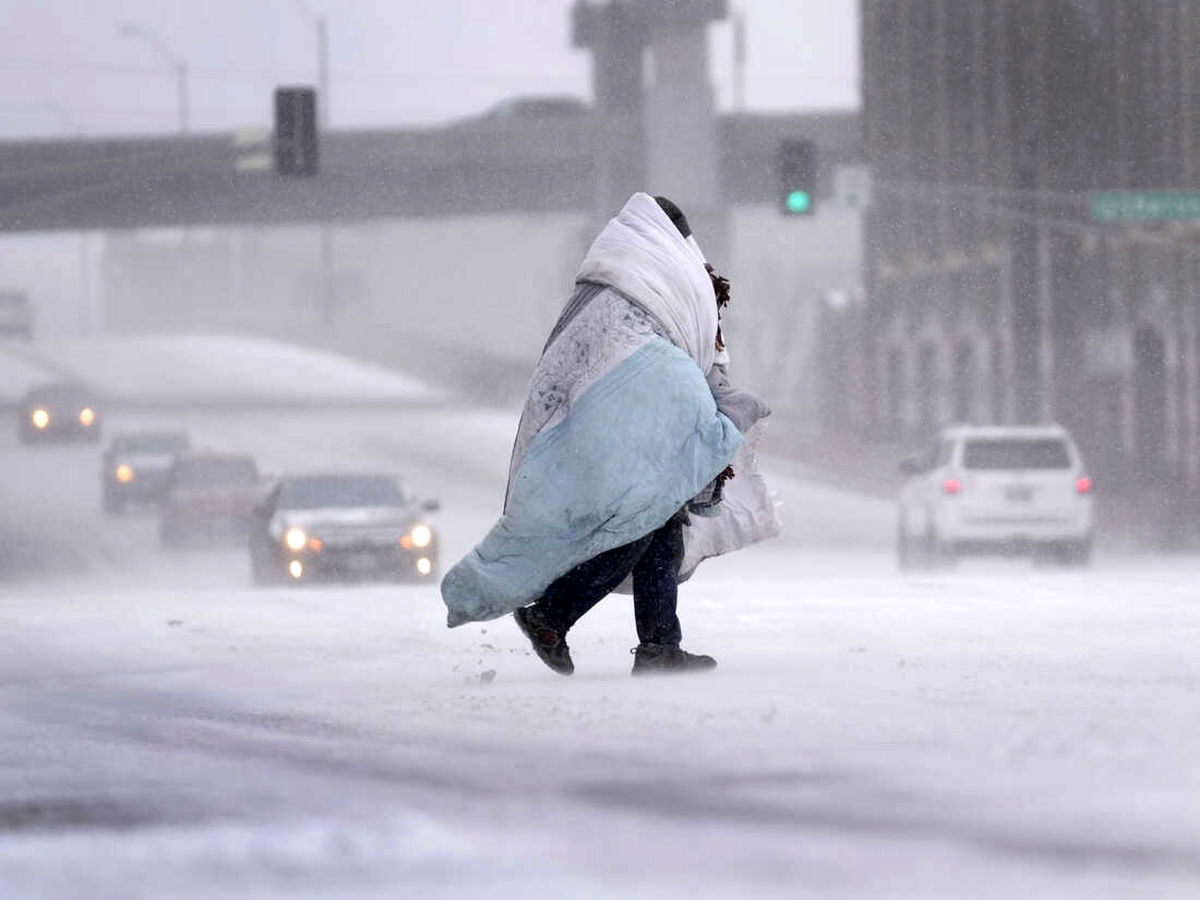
(215, 472)
(1016, 453)
(151, 443)
(339, 490)
(539, 107)
(64, 394)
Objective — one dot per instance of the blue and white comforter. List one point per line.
(620, 428)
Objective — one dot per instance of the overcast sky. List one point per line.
(63, 67)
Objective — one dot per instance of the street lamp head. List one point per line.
(176, 63)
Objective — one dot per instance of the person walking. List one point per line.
(620, 471)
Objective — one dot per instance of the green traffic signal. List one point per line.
(798, 202)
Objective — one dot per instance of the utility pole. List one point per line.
(322, 73)
(321, 26)
(739, 61)
(181, 88)
(87, 315)
(179, 65)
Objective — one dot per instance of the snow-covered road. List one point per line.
(168, 731)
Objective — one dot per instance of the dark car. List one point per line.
(538, 108)
(342, 526)
(209, 495)
(59, 412)
(523, 113)
(136, 465)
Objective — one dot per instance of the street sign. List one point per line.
(1145, 206)
(252, 150)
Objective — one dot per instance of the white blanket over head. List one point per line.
(620, 427)
(642, 254)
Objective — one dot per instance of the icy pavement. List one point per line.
(167, 731)
(988, 733)
(18, 372)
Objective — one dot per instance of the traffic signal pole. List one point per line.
(181, 86)
(1028, 278)
(796, 168)
(322, 72)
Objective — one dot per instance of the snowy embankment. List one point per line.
(18, 373)
(204, 370)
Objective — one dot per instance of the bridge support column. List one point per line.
(660, 137)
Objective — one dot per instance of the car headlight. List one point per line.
(87, 416)
(421, 536)
(295, 538)
(40, 418)
(124, 473)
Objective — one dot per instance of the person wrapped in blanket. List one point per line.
(635, 458)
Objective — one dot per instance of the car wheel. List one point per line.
(1076, 554)
(262, 573)
(936, 555)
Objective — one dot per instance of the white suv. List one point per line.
(996, 490)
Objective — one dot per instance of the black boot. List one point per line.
(549, 643)
(650, 659)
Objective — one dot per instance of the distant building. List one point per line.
(993, 291)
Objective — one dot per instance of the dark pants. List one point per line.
(654, 561)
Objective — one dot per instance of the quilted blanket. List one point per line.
(620, 426)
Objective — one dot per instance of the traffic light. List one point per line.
(295, 131)
(798, 177)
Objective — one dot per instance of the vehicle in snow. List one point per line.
(135, 467)
(532, 111)
(61, 411)
(539, 108)
(208, 495)
(342, 526)
(16, 314)
(1004, 490)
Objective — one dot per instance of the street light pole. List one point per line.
(323, 73)
(87, 315)
(176, 63)
(321, 25)
(181, 87)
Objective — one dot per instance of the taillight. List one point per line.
(951, 486)
(1083, 485)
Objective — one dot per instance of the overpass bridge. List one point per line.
(475, 166)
